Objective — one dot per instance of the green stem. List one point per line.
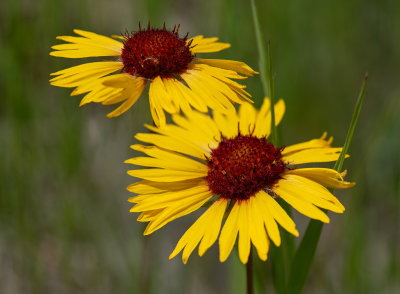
(249, 274)
(356, 113)
(265, 65)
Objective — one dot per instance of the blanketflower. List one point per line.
(227, 161)
(178, 79)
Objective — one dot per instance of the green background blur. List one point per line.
(65, 225)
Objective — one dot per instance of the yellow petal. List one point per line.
(149, 215)
(269, 221)
(150, 187)
(313, 155)
(83, 73)
(324, 176)
(164, 175)
(156, 109)
(169, 199)
(312, 192)
(314, 143)
(160, 96)
(244, 235)
(173, 142)
(134, 91)
(263, 120)
(257, 231)
(298, 203)
(166, 159)
(228, 123)
(279, 214)
(228, 233)
(90, 45)
(122, 80)
(213, 226)
(247, 115)
(206, 229)
(199, 44)
(204, 87)
(198, 140)
(171, 213)
(237, 66)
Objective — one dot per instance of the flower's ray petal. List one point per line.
(197, 139)
(133, 92)
(174, 193)
(192, 97)
(206, 228)
(222, 81)
(173, 141)
(263, 120)
(201, 84)
(269, 221)
(247, 115)
(161, 96)
(244, 243)
(298, 203)
(313, 155)
(165, 159)
(324, 176)
(206, 129)
(279, 214)
(172, 87)
(257, 231)
(162, 175)
(311, 191)
(228, 123)
(122, 80)
(149, 215)
(156, 109)
(213, 226)
(168, 199)
(150, 187)
(314, 143)
(100, 93)
(228, 233)
(237, 66)
(199, 44)
(84, 73)
(90, 45)
(171, 213)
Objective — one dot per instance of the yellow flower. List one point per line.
(228, 162)
(178, 79)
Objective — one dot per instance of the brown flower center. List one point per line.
(240, 167)
(156, 52)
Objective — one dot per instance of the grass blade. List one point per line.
(305, 253)
(265, 65)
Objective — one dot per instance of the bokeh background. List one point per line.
(65, 225)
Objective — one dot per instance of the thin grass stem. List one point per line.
(306, 251)
(249, 274)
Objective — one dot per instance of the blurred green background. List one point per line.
(65, 225)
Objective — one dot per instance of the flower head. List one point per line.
(227, 160)
(178, 79)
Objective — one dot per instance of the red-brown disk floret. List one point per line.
(156, 52)
(240, 167)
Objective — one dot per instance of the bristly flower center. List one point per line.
(156, 52)
(240, 167)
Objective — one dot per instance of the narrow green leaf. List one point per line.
(339, 163)
(265, 65)
(280, 256)
(305, 253)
